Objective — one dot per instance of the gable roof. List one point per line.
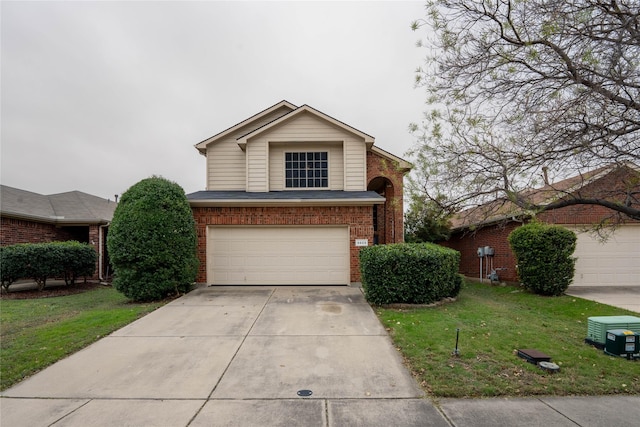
(502, 209)
(284, 105)
(368, 139)
(69, 208)
(289, 111)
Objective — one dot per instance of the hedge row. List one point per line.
(411, 273)
(40, 261)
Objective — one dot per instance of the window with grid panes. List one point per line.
(309, 169)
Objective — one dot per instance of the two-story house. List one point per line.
(292, 196)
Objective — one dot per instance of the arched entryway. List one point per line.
(383, 215)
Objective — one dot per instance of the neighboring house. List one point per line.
(615, 262)
(28, 217)
(292, 195)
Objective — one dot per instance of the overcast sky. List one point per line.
(96, 96)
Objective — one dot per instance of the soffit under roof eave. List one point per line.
(285, 202)
(403, 165)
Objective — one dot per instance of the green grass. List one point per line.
(496, 321)
(35, 333)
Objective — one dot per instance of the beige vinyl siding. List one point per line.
(276, 162)
(257, 166)
(355, 165)
(225, 166)
(226, 162)
(307, 130)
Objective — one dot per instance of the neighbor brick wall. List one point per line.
(494, 236)
(14, 231)
(611, 186)
(378, 166)
(358, 218)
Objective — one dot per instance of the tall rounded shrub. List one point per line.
(544, 254)
(152, 241)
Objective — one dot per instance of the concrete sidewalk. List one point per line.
(249, 356)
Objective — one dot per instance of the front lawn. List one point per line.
(35, 333)
(494, 322)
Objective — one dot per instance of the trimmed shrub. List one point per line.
(152, 241)
(412, 273)
(544, 257)
(76, 260)
(13, 264)
(41, 261)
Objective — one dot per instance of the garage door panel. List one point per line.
(615, 262)
(277, 255)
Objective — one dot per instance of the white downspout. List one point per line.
(101, 251)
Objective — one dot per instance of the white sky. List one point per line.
(96, 96)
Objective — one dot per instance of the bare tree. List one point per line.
(523, 90)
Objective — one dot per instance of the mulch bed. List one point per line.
(56, 289)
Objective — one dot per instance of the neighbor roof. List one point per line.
(70, 208)
(500, 210)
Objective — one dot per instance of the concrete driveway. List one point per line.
(627, 297)
(268, 356)
(232, 356)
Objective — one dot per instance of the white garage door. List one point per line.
(278, 255)
(613, 263)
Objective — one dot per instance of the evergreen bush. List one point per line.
(152, 241)
(412, 273)
(544, 257)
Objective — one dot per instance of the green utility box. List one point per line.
(622, 342)
(598, 326)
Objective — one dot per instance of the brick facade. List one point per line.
(386, 178)
(382, 176)
(494, 236)
(14, 231)
(357, 218)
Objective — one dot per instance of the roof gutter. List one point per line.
(55, 220)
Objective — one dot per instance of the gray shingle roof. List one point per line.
(71, 207)
(295, 195)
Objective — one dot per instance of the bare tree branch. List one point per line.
(514, 87)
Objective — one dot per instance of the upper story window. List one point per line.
(306, 169)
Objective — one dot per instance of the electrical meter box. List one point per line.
(622, 342)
